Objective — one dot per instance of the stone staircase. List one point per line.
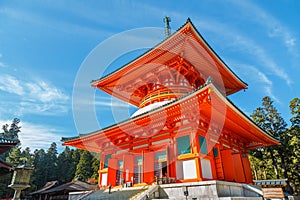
(146, 194)
(116, 194)
(212, 190)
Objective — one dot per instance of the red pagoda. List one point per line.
(185, 128)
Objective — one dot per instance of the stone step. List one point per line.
(215, 198)
(205, 190)
(116, 194)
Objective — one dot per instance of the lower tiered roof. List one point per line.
(206, 104)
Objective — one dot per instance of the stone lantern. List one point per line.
(20, 180)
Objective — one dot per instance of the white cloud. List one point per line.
(264, 58)
(262, 82)
(274, 27)
(45, 92)
(290, 42)
(241, 43)
(11, 84)
(37, 136)
(40, 108)
(32, 96)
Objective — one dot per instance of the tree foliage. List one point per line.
(11, 132)
(294, 144)
(48, 165)
(66, 164)
(84, 168)
(16, 156)
(281, 161)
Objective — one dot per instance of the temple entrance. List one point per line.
(160, 169)
(138, 170)
(119, 176)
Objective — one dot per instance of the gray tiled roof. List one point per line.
(8, 141)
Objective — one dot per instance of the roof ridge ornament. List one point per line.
(167, 21)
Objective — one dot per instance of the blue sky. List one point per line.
(43, 46)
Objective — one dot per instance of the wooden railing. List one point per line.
(164, 180)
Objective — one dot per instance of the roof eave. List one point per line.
(95, 83)
(212, 87)
(100, 83)
(244, 84)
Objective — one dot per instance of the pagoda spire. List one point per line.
(167, 21)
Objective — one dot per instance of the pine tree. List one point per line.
(84, 168)
(27, 157)
(45, 166)
(38, 178)
(294, 145)
(12, 132)
(268, 118)
(261, 116)
(95, 167)
(51, 163)
(15, 156)
(66, 165)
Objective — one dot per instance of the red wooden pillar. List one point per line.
(128, 167)
(148, 164)
(198, 168)
(99, 178)
(247, 168)
(112, 171)
(171, 159)
(228, 165)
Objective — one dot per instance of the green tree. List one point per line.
(294, 145)
(27, 157)
(264, 117)
(45, 166)
(295, 111)
(15, 156)
(38, 178)
(51, 163)
(84, 169)
(5, 192)
(268, 118)
(95, 166)
(11, 132)
(66, 165)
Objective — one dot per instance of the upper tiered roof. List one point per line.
(183, 55)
